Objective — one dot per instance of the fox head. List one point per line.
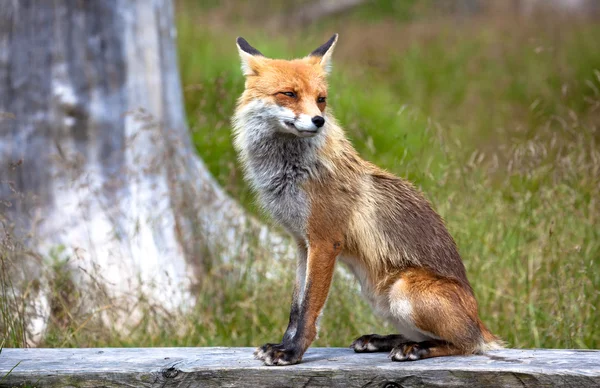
(287, 97)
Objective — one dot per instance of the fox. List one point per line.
(338, 207)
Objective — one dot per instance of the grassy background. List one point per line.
(494, 118)
(497, 123)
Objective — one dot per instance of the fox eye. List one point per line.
(321, 99)
(289, 94)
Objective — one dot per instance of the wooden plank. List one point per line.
(321, 367)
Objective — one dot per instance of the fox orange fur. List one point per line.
(338, 206)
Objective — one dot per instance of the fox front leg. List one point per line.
(297, 296)
(319, 273)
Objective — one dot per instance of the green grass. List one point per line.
(497, 123)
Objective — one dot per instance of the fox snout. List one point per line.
(303, 125)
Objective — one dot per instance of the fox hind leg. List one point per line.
(439, 316)
(377, 343)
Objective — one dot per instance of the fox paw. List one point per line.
(408, 352)
(261, 352)
(276, 354)
(377, 343)
(366, 343)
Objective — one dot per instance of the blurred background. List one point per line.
(491, 108)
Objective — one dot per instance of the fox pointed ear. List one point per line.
(251, 57)
(322, 55)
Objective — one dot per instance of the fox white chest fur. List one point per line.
(276, 165)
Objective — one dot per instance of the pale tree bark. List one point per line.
(95, 154)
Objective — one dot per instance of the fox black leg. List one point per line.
(319, 272)
(263, 352)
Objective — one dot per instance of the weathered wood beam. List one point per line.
(321, 367)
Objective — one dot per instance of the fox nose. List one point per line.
(318, 121)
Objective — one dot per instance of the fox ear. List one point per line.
(251, 57)
(322, 55)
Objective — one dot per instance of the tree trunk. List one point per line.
(97, 168)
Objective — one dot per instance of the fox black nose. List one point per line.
(318, 121)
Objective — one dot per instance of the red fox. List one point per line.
(336, 206)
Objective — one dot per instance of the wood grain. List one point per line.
(321, 367)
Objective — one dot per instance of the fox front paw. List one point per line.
(261, 352)
(277, 354)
